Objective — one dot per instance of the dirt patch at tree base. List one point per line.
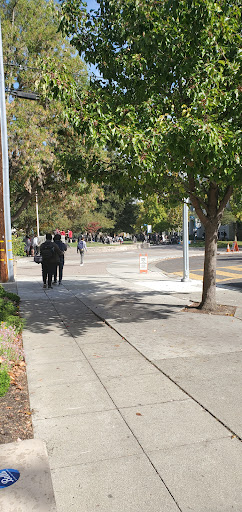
(15, 414)
(220, 310)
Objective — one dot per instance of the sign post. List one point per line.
(143, 263)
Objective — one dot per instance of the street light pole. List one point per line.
(185, 242)
(6, 258)
(37, 212)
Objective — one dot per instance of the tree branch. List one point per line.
(22, 207)
(27, 197)
(197, 202)
(191, 191)
(225, 199)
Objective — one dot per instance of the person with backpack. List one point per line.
(27, 247)
(63, 248)
(51, 254)
(81, 246)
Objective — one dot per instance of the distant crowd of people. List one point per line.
(67, 234)
(31, 243)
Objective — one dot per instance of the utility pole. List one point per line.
(6, 258)
(3, 249)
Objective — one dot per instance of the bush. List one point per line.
(9, 310)
(18, 246)
(11, 352)
(12, 296)
(4, 381)
(10, 346)
(10, 336)
(11, 327)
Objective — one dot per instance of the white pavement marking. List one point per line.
(172, 286)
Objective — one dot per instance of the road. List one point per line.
(229, 268)
(167, 258)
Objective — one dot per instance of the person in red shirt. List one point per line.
(63, 232)
(70, 235)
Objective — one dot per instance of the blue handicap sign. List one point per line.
(8, 477)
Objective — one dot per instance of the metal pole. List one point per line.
(3, 252)
(5, 211)
(37, 212)
(185, 242)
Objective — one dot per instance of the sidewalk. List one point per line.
(142, 411)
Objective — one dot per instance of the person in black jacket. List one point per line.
(60, 265)
(51, 254)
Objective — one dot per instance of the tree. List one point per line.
(160, 216)
(122, 210)
(233, 212)
(82, 207)
(167, 103)
(37, 132)
(93, 227)
(70, 208)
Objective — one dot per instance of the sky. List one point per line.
(91, 4)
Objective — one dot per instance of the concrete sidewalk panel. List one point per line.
(41, 375)
(204, 477)
(212, 381)
(183, 335)
(45, 340)
(33, 491)
(63, 352)
(238, 313)
(143, 389)
(127, 484)
(170, 424)
(69, 398)
(90, 437)
(118, 348)
(98, 334)
(113, 367)
(74, 308)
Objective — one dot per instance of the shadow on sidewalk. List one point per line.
(80, 304)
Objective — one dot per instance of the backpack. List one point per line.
(80, 246)
(47, 252)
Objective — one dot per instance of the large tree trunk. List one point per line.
(210, 214)
(210, 260)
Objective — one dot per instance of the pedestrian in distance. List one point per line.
(81, 246)
(35, 244)
(60, 265)
(70, 234)
(27, 246)
(51, 254)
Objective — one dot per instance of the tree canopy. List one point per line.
(38, 133)
(168, 102)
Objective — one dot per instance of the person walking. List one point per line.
(51, 254)
(81, 246)
(70, 234)
(60, 265)
(36, 245)
(27, 246)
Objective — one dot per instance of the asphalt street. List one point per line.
(229, 268)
